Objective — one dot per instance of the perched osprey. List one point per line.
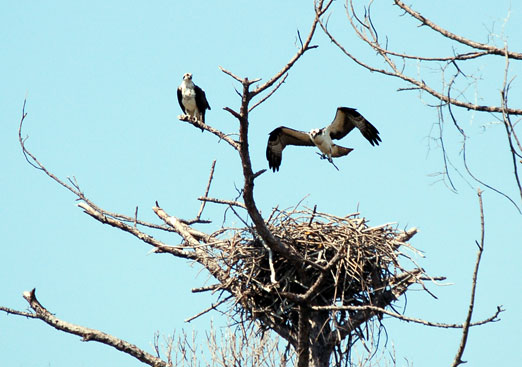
(345, 120)
(192, 98)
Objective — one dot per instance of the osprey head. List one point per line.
(187, 76)
(314, 132)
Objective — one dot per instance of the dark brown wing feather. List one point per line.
(201, 101)
(339, 151)
(180, 100)
(278, 139)
(346, 119)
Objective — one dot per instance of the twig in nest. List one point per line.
(212, 307)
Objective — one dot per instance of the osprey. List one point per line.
(345, 120)
(192, 99)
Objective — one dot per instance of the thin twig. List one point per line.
(465, 329)
(481, 46)
(211, 175)
(159, 246)
(320, 10)
(206, 289)
(212, 307)
(507, 124)
(269, 94)
(396, 72)
(232, 75)
(18, 313)
(221, 201)
(74, 187)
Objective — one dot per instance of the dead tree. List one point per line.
(455, 88)
(321, 282)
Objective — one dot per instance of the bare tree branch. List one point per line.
(74, 187)
(18, 313)
(221, 201)
(269, 94)
(158, 245)
(316, 279)
(465, 329)
(204, 126)
(510, 132)
(212, 287)
(396, 72)
(211, 175)
(237, 78)
(212, 307)
(481, 46)
(320, 9)
(248, 174)
(88, 334)
(468, 169)
(398, 64)
(376, 309)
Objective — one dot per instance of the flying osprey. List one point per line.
(345, 120)
(192, 98)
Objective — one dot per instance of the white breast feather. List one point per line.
(324, 143)
(188, 97)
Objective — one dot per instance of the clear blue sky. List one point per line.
(100, 79)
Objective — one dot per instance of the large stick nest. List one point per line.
(357, 263)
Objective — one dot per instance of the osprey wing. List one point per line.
(180, 100)
(277, 141)
(339, 151)
(201, 101)
(346, 119)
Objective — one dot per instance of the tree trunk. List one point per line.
(319, 347)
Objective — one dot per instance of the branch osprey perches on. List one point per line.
(345, 120)
(192, 99)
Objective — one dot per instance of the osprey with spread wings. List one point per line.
(345, 120)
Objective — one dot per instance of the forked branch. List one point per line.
(401, 65)
(320, 9)
(398, 72)
(89, 334)
(465, 41)
(242, 116)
